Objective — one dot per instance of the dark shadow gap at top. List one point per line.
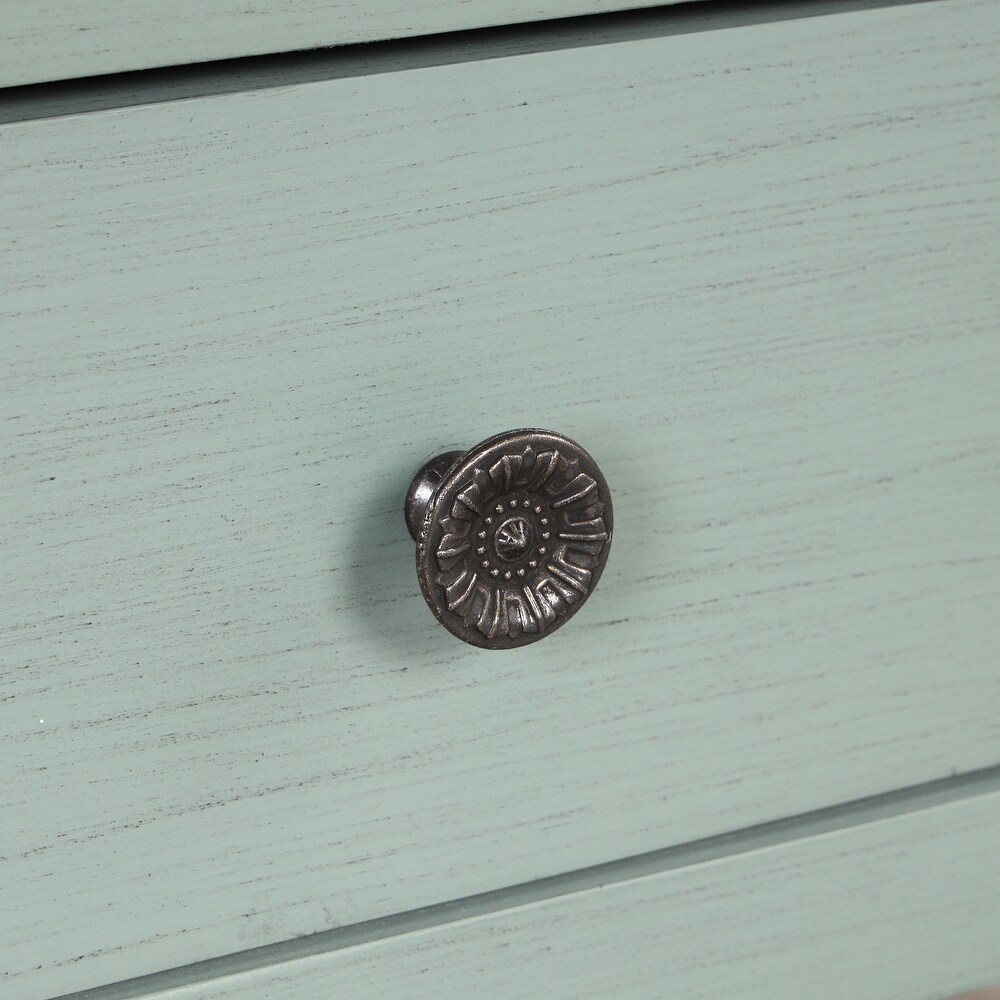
(228, 76)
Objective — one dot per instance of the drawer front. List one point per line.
(751, 270)
(44, 40)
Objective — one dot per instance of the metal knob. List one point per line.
(512, 536)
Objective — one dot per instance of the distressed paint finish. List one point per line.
(229, 720)
(908, 907)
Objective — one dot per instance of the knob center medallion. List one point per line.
(514, 539)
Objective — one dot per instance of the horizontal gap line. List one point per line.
(771, 834)
(156, 86)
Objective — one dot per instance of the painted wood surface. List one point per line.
(752, 271)
(908, 907)
(44, 40)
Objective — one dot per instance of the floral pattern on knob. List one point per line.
(514, 538)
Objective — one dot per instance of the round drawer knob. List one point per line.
(512, 536)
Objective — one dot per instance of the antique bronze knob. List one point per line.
(512, 536)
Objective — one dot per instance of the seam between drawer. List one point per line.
(775, 833)
(39, 101)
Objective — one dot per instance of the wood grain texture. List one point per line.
(44, 40)
(753, 272)
(908, 907)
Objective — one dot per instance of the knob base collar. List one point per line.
(425, 482)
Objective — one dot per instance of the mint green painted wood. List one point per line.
(908, 907)
(60, 39)
(229, 718)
